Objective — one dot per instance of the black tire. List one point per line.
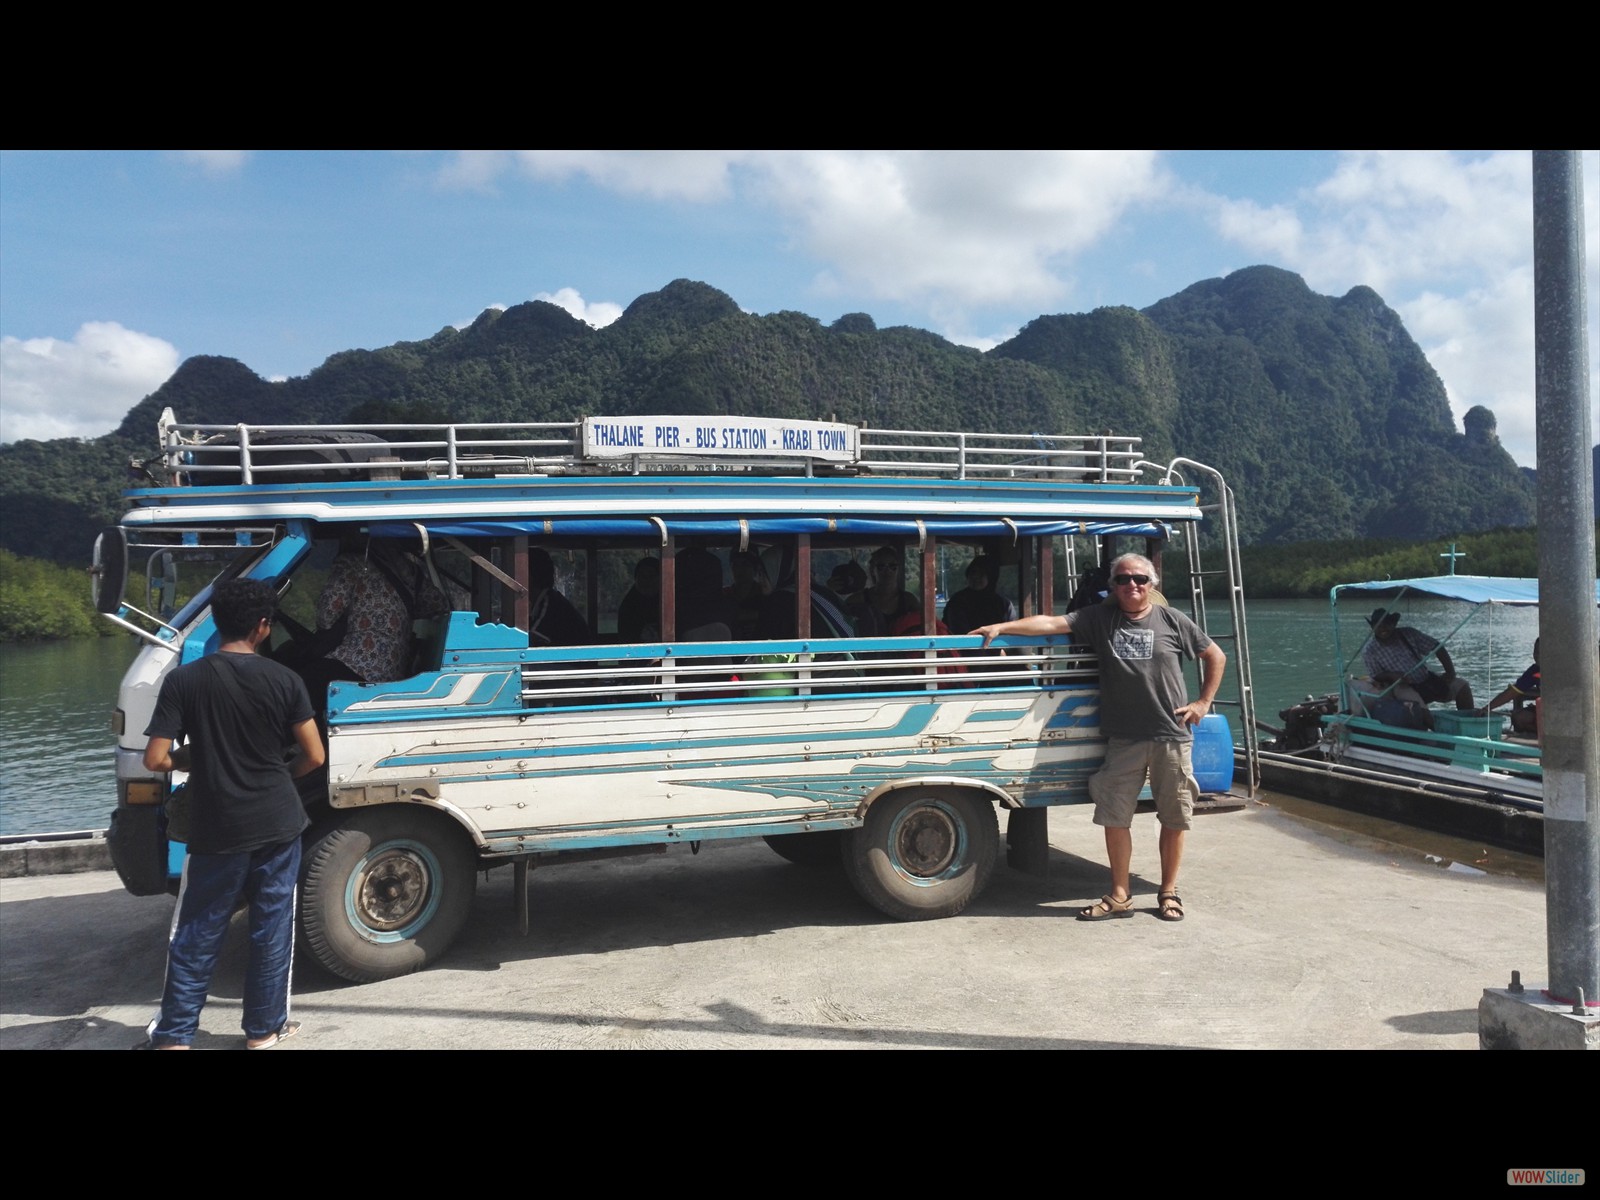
(108, 578)
(311, 449)
(332, 446)
(923, 853)
(137, 842)
(821, 848)
(385, 892)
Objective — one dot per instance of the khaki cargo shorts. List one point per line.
(1170, 768)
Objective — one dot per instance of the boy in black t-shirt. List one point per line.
(241, 714)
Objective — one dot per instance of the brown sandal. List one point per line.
(1169, 906)
(1107, 907)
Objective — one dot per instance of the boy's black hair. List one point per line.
(237, 606)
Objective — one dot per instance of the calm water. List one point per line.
(56, 769)
(1292, 650)
(56, 699)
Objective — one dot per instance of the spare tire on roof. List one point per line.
(321, 450)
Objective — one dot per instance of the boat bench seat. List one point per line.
(1483, 754)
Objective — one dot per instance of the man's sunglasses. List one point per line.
(1125, 580)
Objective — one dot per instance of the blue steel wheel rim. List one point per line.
(393, 893)
(927, 844)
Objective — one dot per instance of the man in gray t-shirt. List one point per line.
(1140, 646)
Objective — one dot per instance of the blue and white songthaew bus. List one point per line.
(621, 634)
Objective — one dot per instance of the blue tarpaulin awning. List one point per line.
(871, 526)
(1474, 589)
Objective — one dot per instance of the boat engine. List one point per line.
(1302, 724)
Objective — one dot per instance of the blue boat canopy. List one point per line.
(1474, 589)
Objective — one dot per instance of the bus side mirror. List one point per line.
(108, 577)
(161, 582)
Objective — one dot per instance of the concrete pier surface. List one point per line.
(1298, 936)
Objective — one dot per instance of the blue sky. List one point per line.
(115, 266)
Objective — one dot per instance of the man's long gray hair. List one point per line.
(1141, 566)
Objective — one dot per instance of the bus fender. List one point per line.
(402, 796)
(931, 782)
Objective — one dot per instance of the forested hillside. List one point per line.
(1323, 412)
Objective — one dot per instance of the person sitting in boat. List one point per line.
(1521, 695)
(1398, 656)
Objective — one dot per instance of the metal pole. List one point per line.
(1570, 682)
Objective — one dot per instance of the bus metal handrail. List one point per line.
(253, 453)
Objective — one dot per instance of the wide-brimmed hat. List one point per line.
(1382, 616)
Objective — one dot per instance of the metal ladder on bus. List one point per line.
(1238, 638)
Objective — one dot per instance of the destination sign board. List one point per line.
(717, 437)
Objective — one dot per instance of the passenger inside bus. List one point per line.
(639, 614)
(979, 603)
(1094, 587)
(780, 613)
(374, 594)
(704, 613)
(849, 583)
(887, 596)
(748, 591)
(552, 620)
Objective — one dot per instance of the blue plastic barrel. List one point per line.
(1213, 753)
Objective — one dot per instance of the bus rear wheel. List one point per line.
(385, 893)
(923, 853)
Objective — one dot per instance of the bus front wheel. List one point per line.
(385, 893)
(923, 853)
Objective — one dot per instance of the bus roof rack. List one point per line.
(201, 454)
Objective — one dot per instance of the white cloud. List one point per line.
(1392, 219)
(953, 232)
(51, 388)
(1481, 343)
(1447, 240)
(215, 162)
(473, 170)
(1444, 237)
(697, 175)
(598, 313)
(1274, 231)
(496, 306)
(1403, 217)
(977, 341)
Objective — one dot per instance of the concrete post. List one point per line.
(1570, 683)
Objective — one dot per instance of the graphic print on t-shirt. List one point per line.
(1131, 644)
